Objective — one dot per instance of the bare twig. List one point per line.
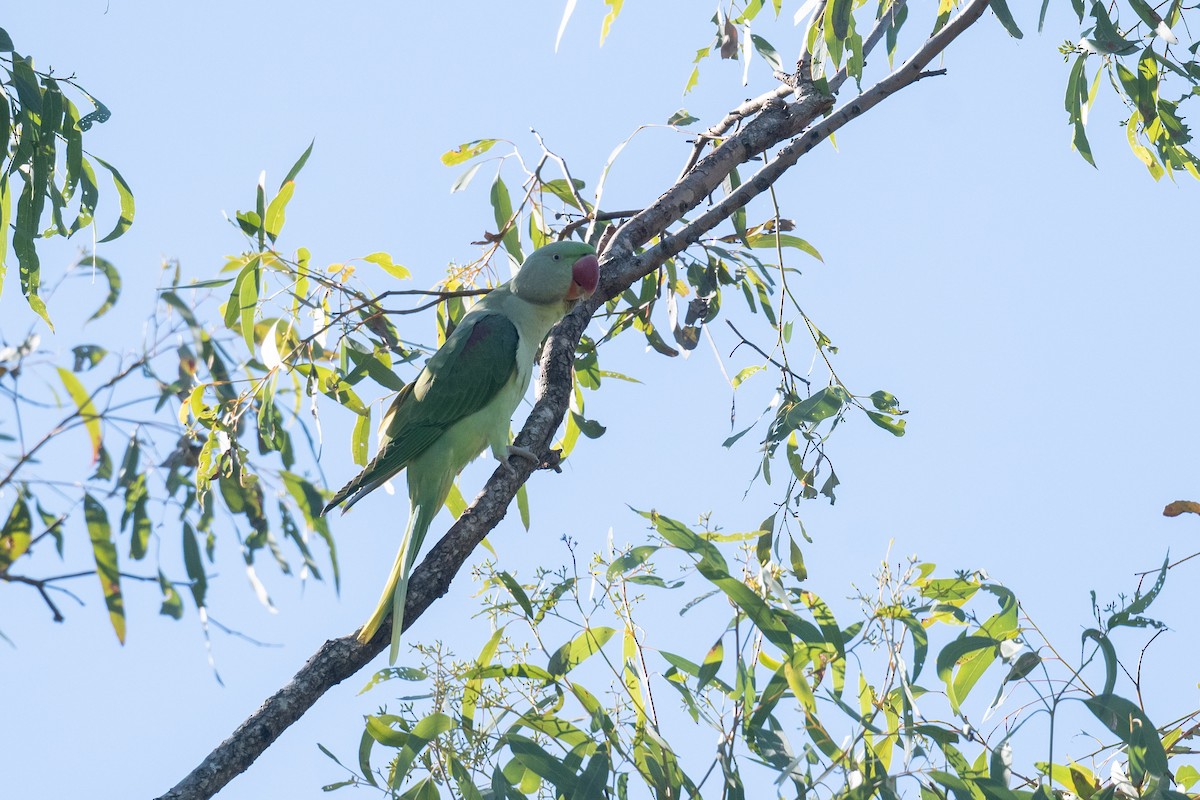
(41, 587)
(1172, 565)
(603, 216)
(759, 350)
(68, 420)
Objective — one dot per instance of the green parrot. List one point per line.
(463, 401)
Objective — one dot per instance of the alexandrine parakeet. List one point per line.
(463, 401)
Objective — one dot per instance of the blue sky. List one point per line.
(1035, 315)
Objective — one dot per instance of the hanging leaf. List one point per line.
(125, 194)
(84, 409)
(105, 553)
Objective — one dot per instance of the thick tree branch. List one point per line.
(778, 122)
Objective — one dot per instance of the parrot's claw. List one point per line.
(552, 461)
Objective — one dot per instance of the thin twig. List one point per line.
(1169, 566)
(603, 216)
(759, 350)
(41, 587)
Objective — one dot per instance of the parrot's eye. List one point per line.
(557, 257)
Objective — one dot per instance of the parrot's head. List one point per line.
(558, 273)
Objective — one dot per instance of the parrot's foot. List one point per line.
(523, 452)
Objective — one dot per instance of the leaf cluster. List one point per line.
(798, 701)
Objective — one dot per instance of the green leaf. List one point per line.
(594, 780)
(888, 423)
(299, 165)
(1075, 100)
(1105, 37)
(424, 789)
(466, 151)
(631, 560)
(578, 650)
(113, 277)
(517, 592)
(1187, 776)
(797, 559)
(377, 364)
(767, 51)
(769, 241)
(589, 428)
(818, 406)
(310, 502)
(956, 652)
(712, 664)
(564, 191)
(25, 231)
(473, 686)
(125, 194)
(5, 218)
(841, 12)
(87, 356)
(523, 505)
(84, 409)
(381, 731)
(248, 301)
(105, 553)
(136, 499)
(505, 224)
(462, 181)
(533, 757)
(1130, 723)
(1000, 9)
(1110, 657)
(422, 734)
(920, 638)
(172, 604)
(713, 567)
(6, 42)
(682, 118)
(1140, 601)
(193, 565)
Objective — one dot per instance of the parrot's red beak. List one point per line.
(585, 276)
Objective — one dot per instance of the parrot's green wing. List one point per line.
(475, 363)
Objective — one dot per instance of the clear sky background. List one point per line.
(1019, 302)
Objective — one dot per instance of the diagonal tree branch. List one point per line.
(778, 123)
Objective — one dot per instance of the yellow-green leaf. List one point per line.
(16, 535)
(614, 10)
(358, 440)
(275, 217)
(391, 268)
(86, 411)
(467, 151)
(248, 303)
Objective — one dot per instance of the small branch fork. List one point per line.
(777, 122)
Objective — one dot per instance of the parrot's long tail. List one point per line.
(395, 591)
